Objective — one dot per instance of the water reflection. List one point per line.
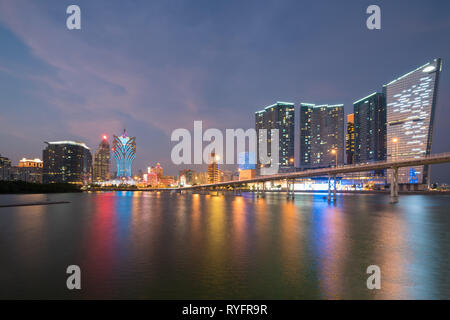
(161, 245)
(99, 247)
(31, 224)
(329, 239)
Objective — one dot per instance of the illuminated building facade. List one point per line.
(66, 162)
(102, 161)
(31, 163)
(28, 170)
(124, 152)
(350, 139)
(247, 174)
(151, 179)
(213, 169)
(167, 181)
(411, 104)
(321, 135)
(158, 170)
(200, 178)
(187, 177)
(281, 116)
(225, 175)
(370, 128)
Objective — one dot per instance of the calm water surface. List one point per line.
(148, 245)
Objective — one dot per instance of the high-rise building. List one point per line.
(124, 152)
(411, 105)
(350, 139)
(158, 170)
(321, 135)
(187, 177)
(281, 116)
(155, 174)
(102, 161)
(151, 179)
(67, 161)
(370, 128)
(5, 168)
(213, 168)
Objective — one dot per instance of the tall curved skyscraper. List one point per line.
(124, 152)
(411, 106)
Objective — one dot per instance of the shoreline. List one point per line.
(32, 204)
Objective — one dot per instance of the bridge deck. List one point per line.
(380, 165)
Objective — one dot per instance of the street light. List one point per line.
(395, 141)
(335, 152)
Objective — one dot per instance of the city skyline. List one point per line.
(64, 107)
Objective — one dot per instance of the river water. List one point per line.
(148, 245)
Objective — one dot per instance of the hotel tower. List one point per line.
(411, 105)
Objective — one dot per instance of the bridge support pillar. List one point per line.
(329, 188)
(290, 189)
(258, 190)
(334, 190)
(287, 189)
(394, 185)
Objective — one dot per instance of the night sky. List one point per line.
(154, 66)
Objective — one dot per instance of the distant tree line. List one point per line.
(28, 187)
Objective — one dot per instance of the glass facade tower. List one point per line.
(67, 162)
(281, 116)
(370, 128)
(321, 135)
(411, 103)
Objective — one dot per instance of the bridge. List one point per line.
(331, 172)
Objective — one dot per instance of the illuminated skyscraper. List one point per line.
(281, 116)
(411, 104)
(67, 161)
(124, 152)
(370, 128)
(350, 139)
(102, 161)
(321, 135)
(213, 168)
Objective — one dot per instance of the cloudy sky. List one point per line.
(154, 66)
